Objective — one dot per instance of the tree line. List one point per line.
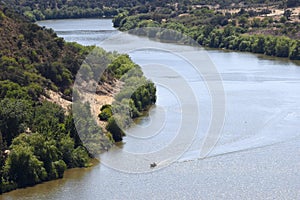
(39, 140)
(242, 31)
(63, 9)
(136, 96)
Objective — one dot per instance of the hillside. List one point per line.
(269, 29)
(58, 9)
(33, 55)
(37, 142)
(39, 133)
(68, 9)
(258, 26)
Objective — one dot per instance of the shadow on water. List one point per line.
(262, 110)
(50, 188)
(260, 57)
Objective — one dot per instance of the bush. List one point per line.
(23, 167)
(105, 114)
(80, 157)
(59, 168)
(115, 130)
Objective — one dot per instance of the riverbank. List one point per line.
(259, 55)
(39, 139)
(270, 28)
(246, 30)
(255, 154)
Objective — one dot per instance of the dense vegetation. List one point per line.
(216, 28)
(136, 95)
(245, 30)
(38, 139)
(58, 9)
(129, 102)
(44, 151)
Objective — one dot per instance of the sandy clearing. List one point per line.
(104, 95)
(56, 98)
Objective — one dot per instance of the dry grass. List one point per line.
(276, 12)
(56, 98)
(104, 95)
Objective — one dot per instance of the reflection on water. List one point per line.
(92, 32)
(51, 189)
(257, 156)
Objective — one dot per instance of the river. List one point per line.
(254, 116)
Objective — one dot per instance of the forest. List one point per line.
(63, 9)
(58, 9)
(215, 24)
(131, 98)
(38, 138)
(244, 30)
(211, 23)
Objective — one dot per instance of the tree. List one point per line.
(46, 151)
(270, 44)
(23, 167)
(243, 21)
(114, 129)
(256, 22)
(66, 146)
(295, 51)
(15, 115)
(60, 167)
(259, 44)
(282, 19)
(245, 45)
(86, 72)
(71, 129)
(80, 157)
(2, 147)
(106, 112)
(118, 19)
(287, 14)
(282, 47)
(47, 118)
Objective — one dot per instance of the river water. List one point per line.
(225, 129)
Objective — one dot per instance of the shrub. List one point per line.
(105, 114)
(115, 130)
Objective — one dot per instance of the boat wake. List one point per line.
(280, 129)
